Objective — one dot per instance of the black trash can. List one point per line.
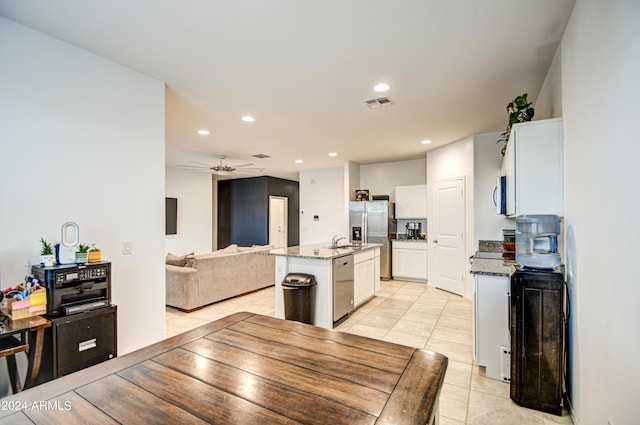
(297, 289)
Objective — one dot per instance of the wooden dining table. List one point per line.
(245, 369)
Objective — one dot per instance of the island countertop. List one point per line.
(321, 251)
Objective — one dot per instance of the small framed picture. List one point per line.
(362, 195)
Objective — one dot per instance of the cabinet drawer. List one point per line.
(421, 246)
(363, 256)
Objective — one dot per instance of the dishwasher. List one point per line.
(342, 286)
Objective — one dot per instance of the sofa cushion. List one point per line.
(254, 248)
(177, 260)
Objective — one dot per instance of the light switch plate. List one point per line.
(127, 248)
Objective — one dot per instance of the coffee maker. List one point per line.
(414, 229)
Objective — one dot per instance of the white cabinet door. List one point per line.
(411, 201)
(364, 272)
(403, 202)
(409, 260)
(491, 321)
(420, 201)
(534, 168)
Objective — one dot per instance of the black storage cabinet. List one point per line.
(537, 339)
(77, 341)
(297, 288)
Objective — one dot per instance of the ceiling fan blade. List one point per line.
(193, 166)
(243, 165)
(202, 163)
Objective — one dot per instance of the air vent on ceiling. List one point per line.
(379, 102)
(261, 156)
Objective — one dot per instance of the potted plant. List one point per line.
(94, 254)
(82, 253)
(519, 110)
(47, 257)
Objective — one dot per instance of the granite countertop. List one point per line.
(493, 262)
(490, 260)
(493, 267)
(408, 240)
(320, 251)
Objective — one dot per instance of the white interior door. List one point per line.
(448, 236)
(278, 221)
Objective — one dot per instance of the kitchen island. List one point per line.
(318, 260)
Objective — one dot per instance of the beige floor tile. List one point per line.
(414, 328)
(448, 421)
(427, 298)
(391, 312)
(454, 402)
(458, 374)
(457, 312)
(451, 334)
(375, 321)
(416, 316)
(367, 331)
(403, 338)
(426, 308)
(459, 302)
(458, 352)
(455, 323)
(480, 382)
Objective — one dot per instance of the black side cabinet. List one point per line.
(537, 339)
(78, 341)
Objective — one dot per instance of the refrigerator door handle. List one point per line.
(365, 231)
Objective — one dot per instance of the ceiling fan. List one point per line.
(223, 169)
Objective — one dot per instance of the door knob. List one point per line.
(435, 241)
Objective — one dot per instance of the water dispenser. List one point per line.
(537, 241)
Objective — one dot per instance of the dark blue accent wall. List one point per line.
(243, 210)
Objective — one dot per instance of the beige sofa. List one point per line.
(216, 276)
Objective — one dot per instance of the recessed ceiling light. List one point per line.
(298, 161)
(381, 87)
(248, 118)
(203, 132)
(333, 154)
(426, 142)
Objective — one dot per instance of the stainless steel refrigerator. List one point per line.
(371, 222)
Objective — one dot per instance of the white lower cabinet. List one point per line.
(409, 260)
(364, 275)
(491, 322)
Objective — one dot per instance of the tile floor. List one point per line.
(416, 315)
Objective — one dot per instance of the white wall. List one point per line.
(548, 103)
(382, 178)
(82, 139)
(450, 161)
(487, 166)
(193, 189)
(322, 193)
(600, 87)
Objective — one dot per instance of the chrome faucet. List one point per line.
(334, 241)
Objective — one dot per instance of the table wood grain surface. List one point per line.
(245, 369)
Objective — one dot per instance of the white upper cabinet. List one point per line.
(533, 166)
(411, 201)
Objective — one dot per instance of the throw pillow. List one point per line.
(176, 260)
